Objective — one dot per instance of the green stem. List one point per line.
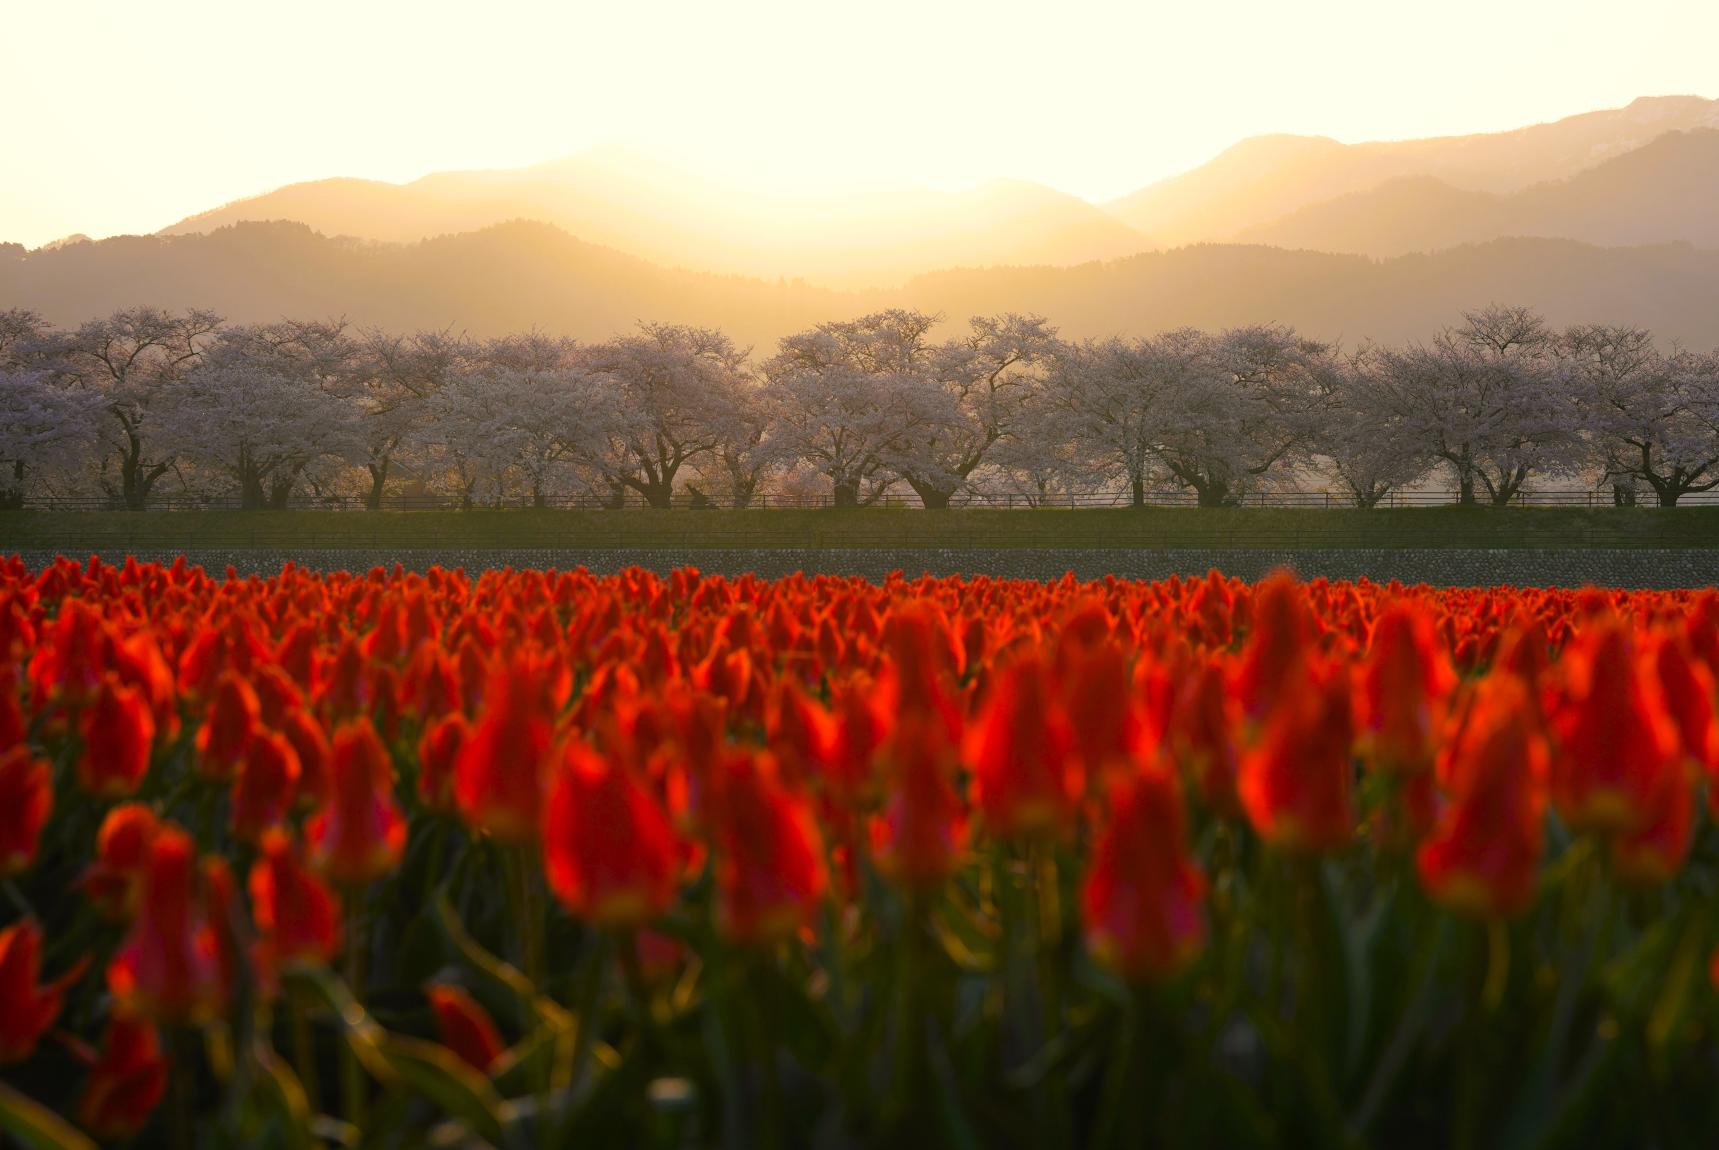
(181, 1120)
(303, 1049)
(590, 987)
(352, 1074)
(1047, 941)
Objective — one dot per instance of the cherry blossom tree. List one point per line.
(1486, 400)
(265, 404)
(127, 358)
(1651, 418)
(1246, 405)
(993, 375)
(1108, 400)
(1363, 435)
(674, 390)
(520, 419)
(399, 376)
(854, 400)
(44, 427)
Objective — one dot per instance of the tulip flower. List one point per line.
(127, 1081)
(1403, 687)
(1141, 901)
(1020, 749)
(357, 835)
(438, 752)
(466, 1027)
(169, 966)
(265, 787)
(1282, 636)
(1617, 746)
(918, 837)
(26, 800)
(770, 870)
(499, 773)
(1203, 736)
(114, 882)
(118, 732)
(1296, 784)
(1482, 856)
(608, 849)
(228, 727)
(27, 1008)
(309, 742)
(297, 917)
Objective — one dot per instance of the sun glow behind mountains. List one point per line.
(191, 102)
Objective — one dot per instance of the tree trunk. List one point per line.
(933, 497)
(847, 494)
(12, 498)
(1465, 491)
(1213, 494)
(1138, 491)
(378, 481)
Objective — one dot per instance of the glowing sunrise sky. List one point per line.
(126, 116)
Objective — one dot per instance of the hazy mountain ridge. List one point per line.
(1665, 191)
(522, 275)
(671, 217)
(1262, 180)
(1639, 174)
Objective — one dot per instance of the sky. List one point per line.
(129, 116)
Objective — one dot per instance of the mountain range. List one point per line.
(1610, 215)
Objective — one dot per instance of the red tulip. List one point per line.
(609, 852)
(1403, 687)
(266, 785)
(304, 731)
(770, 869)
(27, 1009)
(169, 966)
(114, 882)
(1283, 632)
(228, 727)
(1142, 896)
(1295, 785)
(127, 1081)
(1020, 748)
(1203, 737)
(1654, 852)
(918, 837)
(26, 800)
(1483, 855)
(438, 752)
(297, 917)
(466, 1027)
(358, 835)
(499, 774)
(118, 731)
(1617, 746)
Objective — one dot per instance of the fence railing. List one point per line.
(1419, 497)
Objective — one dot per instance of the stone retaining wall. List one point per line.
(1551, 568)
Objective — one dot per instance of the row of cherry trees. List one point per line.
(146, 401)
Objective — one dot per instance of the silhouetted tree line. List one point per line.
(145, 402)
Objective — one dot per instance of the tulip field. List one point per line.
(542, 858)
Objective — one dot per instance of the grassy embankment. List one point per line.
(116, 532)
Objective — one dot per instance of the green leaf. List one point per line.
(286, 1093)
(446, 1080)
(426, 1068)
(504, 975)
(36, 1126)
